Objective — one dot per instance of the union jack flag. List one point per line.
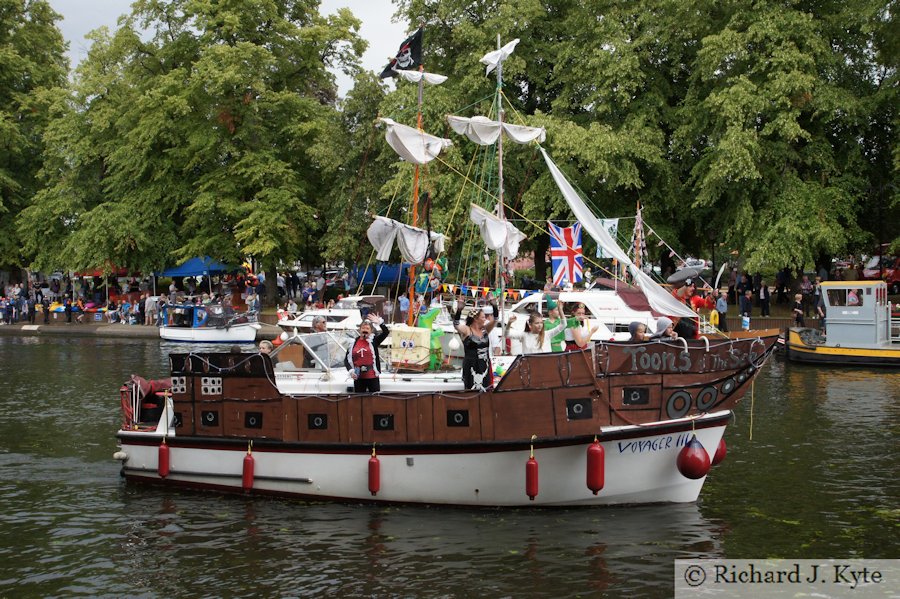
(565, 254)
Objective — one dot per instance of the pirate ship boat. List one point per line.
(221, 423)
(617, 423)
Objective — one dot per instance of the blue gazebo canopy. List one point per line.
(196, 267)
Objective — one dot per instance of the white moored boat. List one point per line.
(208, 324)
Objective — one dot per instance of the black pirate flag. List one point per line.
(409, 56)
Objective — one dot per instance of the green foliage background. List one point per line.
(214, 128)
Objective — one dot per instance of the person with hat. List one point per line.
(362, 360)
(685, 292)
(477, 372)
(665, 329)
(554, 318)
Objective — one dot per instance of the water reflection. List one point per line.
(366, 550)
(817, 477)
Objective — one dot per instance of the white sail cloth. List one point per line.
(411, 144)
(658, 298)
(492, 59)
(485, 132)
(416, 76)
(411, 241)
(498, 234)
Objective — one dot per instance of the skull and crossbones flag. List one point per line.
(408, 57)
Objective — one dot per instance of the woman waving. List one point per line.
(476, 368)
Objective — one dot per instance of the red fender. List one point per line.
(693, 461)
(374, 474)
(247, 474)
(721, 452)
(163, 460)
(595, 467)
(531, 478)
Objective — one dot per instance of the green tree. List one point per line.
(196, 138)
(32, 63)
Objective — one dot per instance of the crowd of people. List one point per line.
(129, 301)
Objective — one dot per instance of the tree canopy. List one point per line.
(32, 65)
(214, 128)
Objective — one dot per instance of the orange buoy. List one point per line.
(721, 452)
(374, 473)
(247, 474)
(693, 461)
(595, 466)
(162, 466)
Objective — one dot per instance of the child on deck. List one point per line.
(798, 310)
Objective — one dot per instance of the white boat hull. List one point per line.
(238, 333)
(640, 467)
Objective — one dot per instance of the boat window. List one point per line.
(346, 304)
(837, 297)
(335, 318)
(527, 307)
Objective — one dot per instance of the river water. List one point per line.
(812, 472)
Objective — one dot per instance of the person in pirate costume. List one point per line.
(362, 360)
(477, 372)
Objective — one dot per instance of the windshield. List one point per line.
(346, 304)
(326, 349)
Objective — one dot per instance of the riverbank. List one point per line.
(102, 329)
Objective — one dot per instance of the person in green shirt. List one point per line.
(554, 317)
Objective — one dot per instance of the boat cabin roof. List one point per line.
(598, 300)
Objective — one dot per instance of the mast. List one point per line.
(500, 211)
(411, 290)
(497, 233)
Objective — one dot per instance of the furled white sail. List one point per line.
(498, 234)
(411, 241)
(484, 131)
(416, 76)
(413, 145)
(492, 59)
(658, 298)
